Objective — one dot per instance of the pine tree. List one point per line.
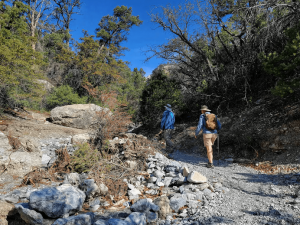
(19, 63)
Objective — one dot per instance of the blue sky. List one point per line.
(147, 34)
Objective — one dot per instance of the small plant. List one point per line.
(84, 158)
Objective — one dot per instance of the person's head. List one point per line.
(204, 109)
(168, 107)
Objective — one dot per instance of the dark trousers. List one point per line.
(168, 137)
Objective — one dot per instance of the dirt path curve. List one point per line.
(253, 197)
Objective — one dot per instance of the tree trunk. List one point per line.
(32, 29)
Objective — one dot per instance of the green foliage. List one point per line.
(19, 63)
(64, 95)
(286, 64)
(84, 158)
(159, 91)
(52, 44)
(130, 92)
(115, 29)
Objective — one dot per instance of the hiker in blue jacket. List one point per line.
(167, 125)
(209, 136)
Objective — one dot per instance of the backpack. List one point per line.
(211, 121)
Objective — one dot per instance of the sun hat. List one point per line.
(168, 106)
(205, 108)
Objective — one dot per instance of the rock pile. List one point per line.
(167, 191)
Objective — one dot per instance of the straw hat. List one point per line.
(204, 108)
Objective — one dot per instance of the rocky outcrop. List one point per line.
(18, 161)
(80, 116)
(32, 142)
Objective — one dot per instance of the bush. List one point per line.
(64, 95)
(84, 158)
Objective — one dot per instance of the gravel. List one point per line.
(252, 197)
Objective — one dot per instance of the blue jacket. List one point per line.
(168, 120)
(201, 125)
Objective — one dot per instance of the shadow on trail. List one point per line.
(272, 179)
(196, 158)
(274, 215)
(264, 185)
(213, 220)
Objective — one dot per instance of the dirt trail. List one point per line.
(253, 197)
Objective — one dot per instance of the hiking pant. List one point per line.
(209, 140)
(168, 137)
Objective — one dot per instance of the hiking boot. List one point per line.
(210, 165)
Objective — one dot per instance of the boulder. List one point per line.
(196, 178)
(58, 201)
(29, 215)
(80, 116)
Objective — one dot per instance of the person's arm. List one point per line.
(163, 120)
(200, 126)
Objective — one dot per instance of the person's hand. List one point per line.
(195, 136)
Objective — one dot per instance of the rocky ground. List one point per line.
(233, 194)
(246, 186)
(253, 197)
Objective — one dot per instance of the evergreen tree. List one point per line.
(159, 91)
(19, 63)
(114, 29)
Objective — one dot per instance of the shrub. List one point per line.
(159, 91)
(84, 158)
(64, 95)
